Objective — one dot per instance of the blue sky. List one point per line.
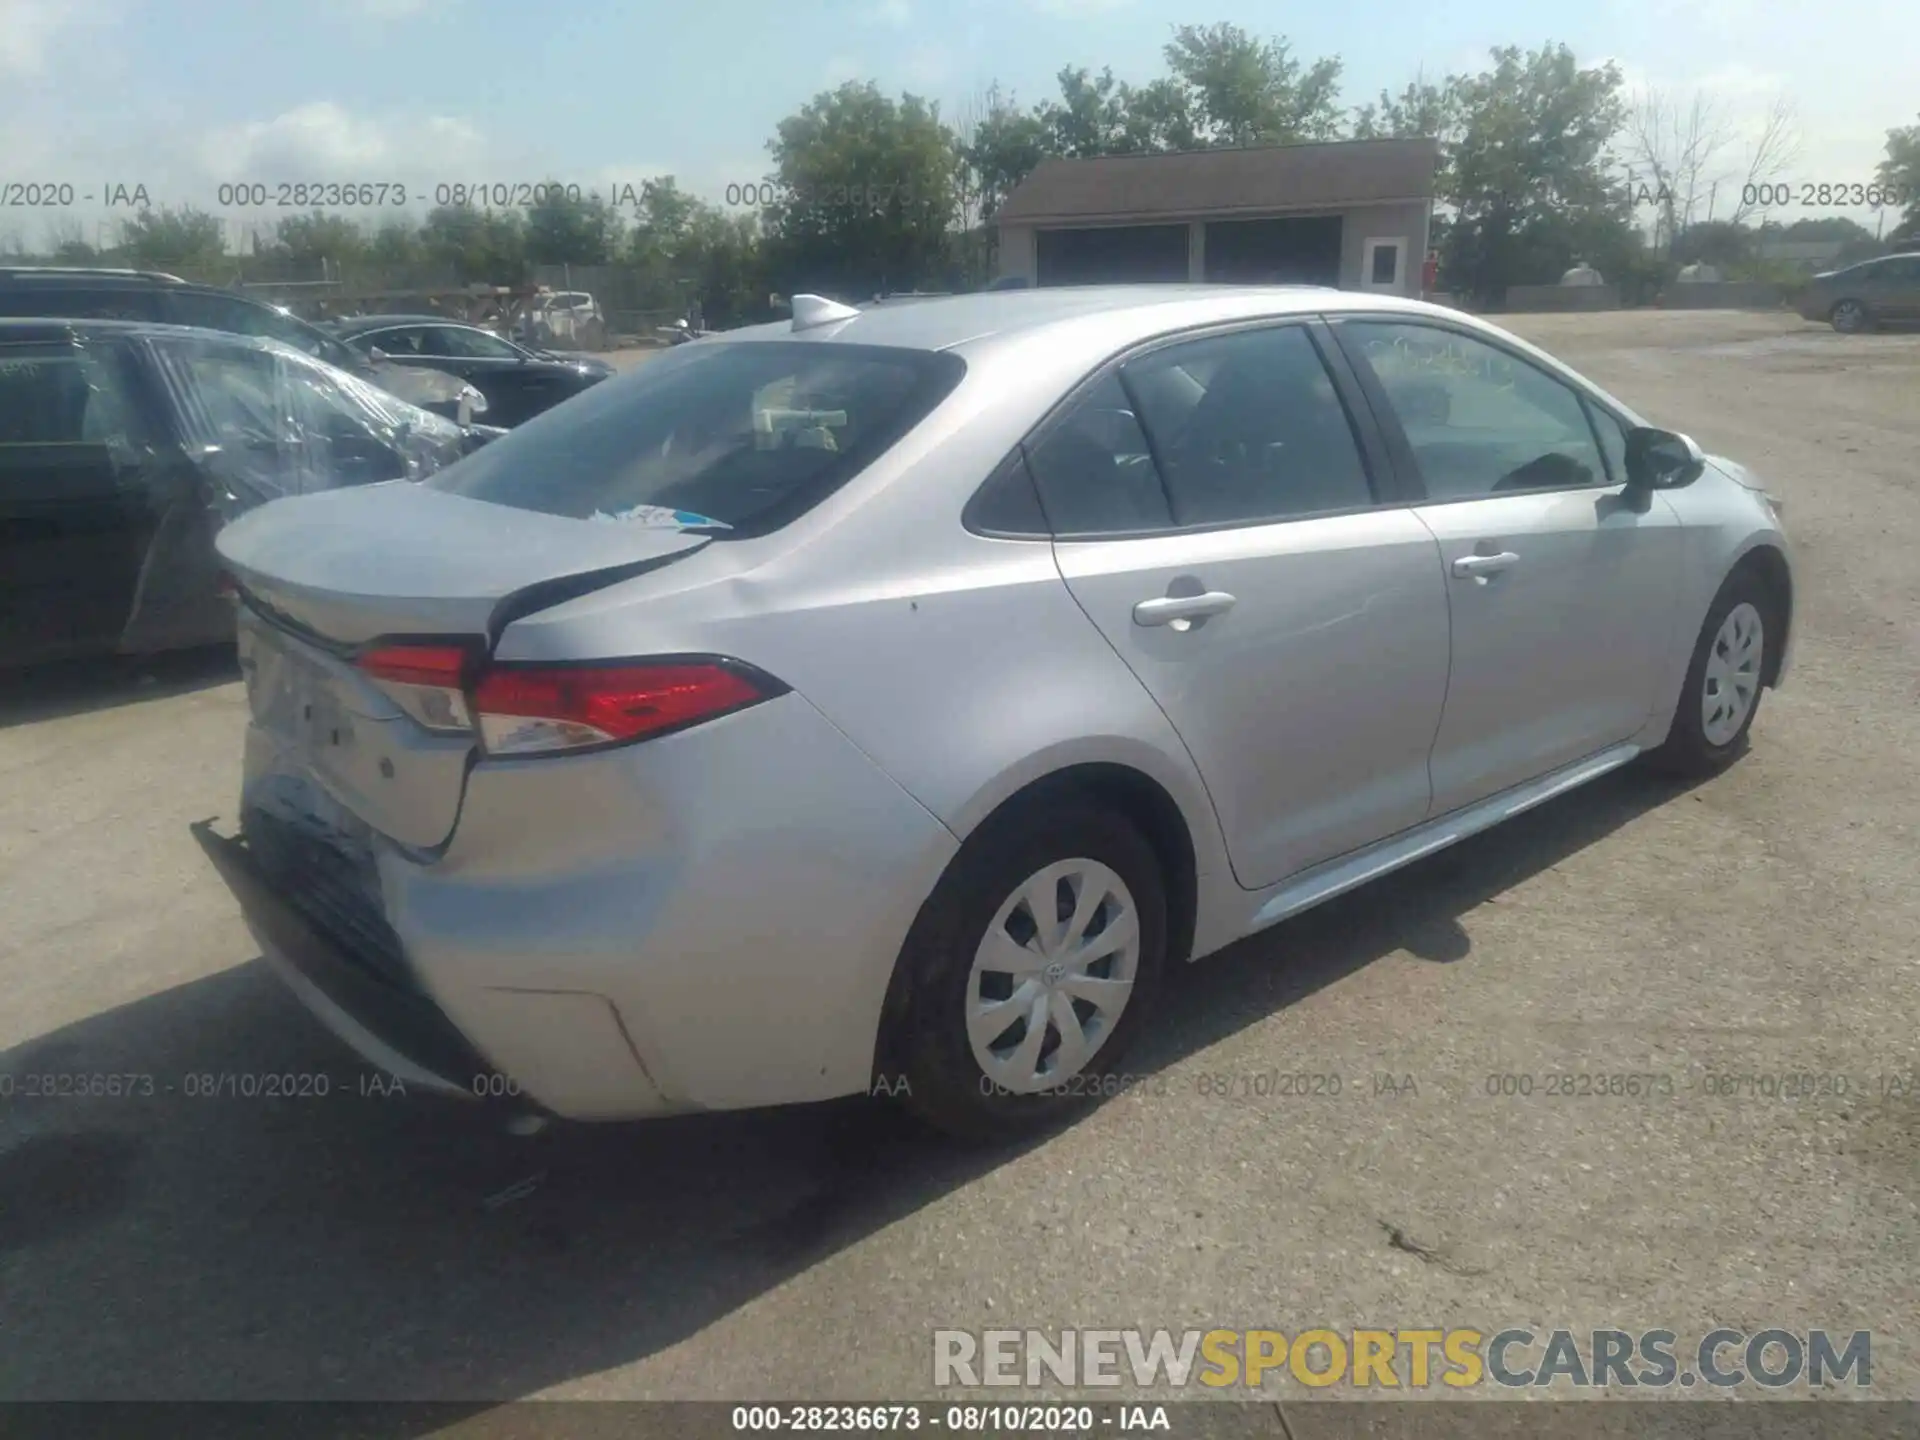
(182, 95)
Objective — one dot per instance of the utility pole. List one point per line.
(1712, 192)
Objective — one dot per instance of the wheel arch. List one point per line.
(1153, 811)
(1144, 800)
(1769, 565)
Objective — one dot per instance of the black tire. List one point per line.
(924, 1040)
(1850, 317)
(1687, 751)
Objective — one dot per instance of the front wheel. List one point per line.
(1028, 972)
(1721, 695)
(1850, 317)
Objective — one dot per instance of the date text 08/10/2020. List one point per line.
(227, 1084)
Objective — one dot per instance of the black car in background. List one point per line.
(124, 446)
(149, 295)
(518, 383)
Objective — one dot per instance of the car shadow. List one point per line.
(199, 1242)
(71, 687)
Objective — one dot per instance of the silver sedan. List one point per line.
(893, 698)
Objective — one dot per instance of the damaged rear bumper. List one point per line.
(393, 1025)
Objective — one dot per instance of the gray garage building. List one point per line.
(1353, 214)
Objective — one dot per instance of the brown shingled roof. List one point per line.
(1214, 182)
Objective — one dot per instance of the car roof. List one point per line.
(26, 328)
(354, 324)
(947, 322)
(69, 273)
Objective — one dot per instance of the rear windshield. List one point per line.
(740, 437)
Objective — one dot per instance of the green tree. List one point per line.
(1857, 243)
(396, 247)
(1246, 91)
(167, 239)
(1004, 146)
(479, 246)
(1724, 243)
(571, 229)
(306, 241)
(1528, 172)
(1088, 119)
(866, 188)
(1900, 173)
(724, 258)
(1421, 109)
(663, 215)
(683, 249)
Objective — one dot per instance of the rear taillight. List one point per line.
(537, 709)
(540, 709)
(427, 681)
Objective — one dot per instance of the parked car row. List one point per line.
(126, 444)
(139, 412)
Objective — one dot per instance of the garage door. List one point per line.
(1112, 255)
(1292, 250)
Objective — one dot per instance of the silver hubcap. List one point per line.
(1847, 315)
(1052, 975)
(1733, 674)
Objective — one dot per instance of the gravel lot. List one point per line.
(365, 1247)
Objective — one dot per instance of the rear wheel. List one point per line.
(1028, 972)
(1721, 695)
(1850, 317)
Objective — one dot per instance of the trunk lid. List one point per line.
(326, 574)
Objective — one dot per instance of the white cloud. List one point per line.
(894, 14)
(29, 29)
(322, 140)
(841, 68)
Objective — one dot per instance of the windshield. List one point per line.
(738, 437)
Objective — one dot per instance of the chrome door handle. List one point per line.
(1171, 609)
(1477, 565)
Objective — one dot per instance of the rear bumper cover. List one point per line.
(397, 1028)
(707, 921)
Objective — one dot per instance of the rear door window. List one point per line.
(744, 435)
(1094, 468)
(1248, 427)
(64, 395)
(402, 340)
(456, 343)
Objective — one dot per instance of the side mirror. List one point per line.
(377, 355)
(1662, 459)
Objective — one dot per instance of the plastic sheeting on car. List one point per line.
(260, 421)
(418, 385)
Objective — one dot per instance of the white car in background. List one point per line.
(568, 318)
